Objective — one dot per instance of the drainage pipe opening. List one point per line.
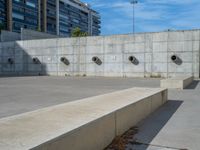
(96, 60)
(64, 60)
(10, 61)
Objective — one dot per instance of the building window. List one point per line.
(17, 0)
(64, 16)
(76, 20)
(30, 4)
(18, 16)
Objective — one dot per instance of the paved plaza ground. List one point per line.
(23, 94)
(175, 125)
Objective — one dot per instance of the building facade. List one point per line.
(58, 17)
(76, 14)
(24, 14)
(3, 13)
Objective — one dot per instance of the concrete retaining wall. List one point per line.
(152, 51)
(87, 124)
(8, 36)
(27, 34)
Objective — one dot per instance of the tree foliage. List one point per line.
(76, 32)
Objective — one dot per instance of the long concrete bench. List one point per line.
(87, 124)
(176, 82)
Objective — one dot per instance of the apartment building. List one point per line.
(58, 17)
(3, 13)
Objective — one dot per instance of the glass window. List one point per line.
(75, 20)
(30, 4)
(17, 16)
(64, 16)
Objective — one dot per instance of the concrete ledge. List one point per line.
(89, 124)
(177, 83)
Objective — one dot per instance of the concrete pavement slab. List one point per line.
(23, 94)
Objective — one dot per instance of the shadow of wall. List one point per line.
(153, 124)
(15, 61)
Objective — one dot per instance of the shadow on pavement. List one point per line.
(151, 126)
(193, 85)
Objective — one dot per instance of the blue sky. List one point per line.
(150, 15)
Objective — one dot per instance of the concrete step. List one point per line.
(89, 124)
(176, 82)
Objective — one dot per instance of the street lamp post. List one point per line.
(134, 2)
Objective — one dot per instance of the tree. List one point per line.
(76, 32)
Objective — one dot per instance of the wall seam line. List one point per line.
(167, 54)
(199, 53)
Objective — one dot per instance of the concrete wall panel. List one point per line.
(18, 59)
(159, 67)
(116, 58)
(92, 49)
(8, 36)
(160, 46)
(112, 48)
(136, 47)
(27, 34)
(131, 68)
(160, 37)
(184, 68)
(66, 50)
(176, 46)
(19, 68)
(176, 36)
(34, 68)
(95, 40)
(160, 57)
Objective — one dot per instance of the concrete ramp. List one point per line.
(87, 124)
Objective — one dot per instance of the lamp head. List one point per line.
(133, 1)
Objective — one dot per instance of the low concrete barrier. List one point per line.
(8, 36)
(87, 124)
(27, 34)
(177, 82)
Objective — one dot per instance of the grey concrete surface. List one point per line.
(22, 94)
(27, 34)
(87, 124)
(176, 82)
(8, 36)
(153, 52)
(174, 126)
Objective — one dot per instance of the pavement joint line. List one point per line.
(155, 145)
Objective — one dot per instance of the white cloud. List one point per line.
(151, 15)
(172, 2)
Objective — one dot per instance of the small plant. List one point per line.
(67, 75)
(156, 76)
(76, 32)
